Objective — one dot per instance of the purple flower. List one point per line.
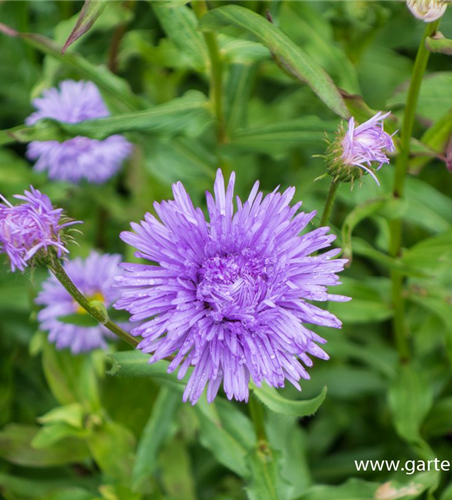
(93, 277)
(29, 228)
(366, 144)
(230, 297)
(78, 158)
(427, 10)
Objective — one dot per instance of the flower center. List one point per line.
(232, 286)
(95, 296)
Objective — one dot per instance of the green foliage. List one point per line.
(255, 88)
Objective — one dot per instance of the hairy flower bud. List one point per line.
(355, 151)
(427, 10)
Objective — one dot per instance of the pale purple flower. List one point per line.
(78, 158)
(30, 227)
(366, 144)
(428, 10)
(93, 276)
(230, 296)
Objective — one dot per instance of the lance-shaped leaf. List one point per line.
(189, 112)
(91, 10)
(279, 404)
(439, 43)
(288, 54)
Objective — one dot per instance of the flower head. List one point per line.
(360, 147)
(78, 158)
(230, 296)
(30, 228)
(93, 276)
(427, 10)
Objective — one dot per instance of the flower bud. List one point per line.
(427, 10)
(356, 151)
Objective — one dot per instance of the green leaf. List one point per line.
(154, 435)
(79, 319)
(227, 450)
(112, 447)
(291, 57)
(281, 137)
(91, 10)
(439, 43)
(435, 96)
(181, 26)
(107, 82)
(15, 447)
(432, 254)
(277, 403)
(410, 400)
(353, 489)
(54, 433)
(69, 414)
(189, 112)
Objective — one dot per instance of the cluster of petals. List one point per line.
(78, 158)
(93, 276)
(427, 10)
(367, 144)
(30, 227)
(230, 297)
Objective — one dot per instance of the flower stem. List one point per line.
(329, 203)
(257, 413)
(402, 162)
(216, 72)
(60, 274)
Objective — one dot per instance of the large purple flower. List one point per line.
(78, 158)
(30, 228)
(231, 296)
(93, 277)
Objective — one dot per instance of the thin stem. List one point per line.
(329, 203)
(402, 162)
(60, 274)
(420, 66)
(216, 72)
(257, 413)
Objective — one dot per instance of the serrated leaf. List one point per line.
(277, 403)
(291, 56)
(91, 10)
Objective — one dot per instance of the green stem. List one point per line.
(60, 274)
(402, 163)
(216, 72)
(329, 203)
(257, 413)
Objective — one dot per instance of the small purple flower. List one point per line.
(29, 228)
(93, 277)
(78, 158)
(428, 10)
(367, 143)
(231, 296)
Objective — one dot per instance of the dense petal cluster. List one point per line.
(93, 276)
(427, 10)
(231, 296)
(30, 227)
(360, 147)
(78, 158)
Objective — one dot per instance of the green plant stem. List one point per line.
(60, 274)
(329, 203)
(216, 72)
(257, 413)
(402, 162)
